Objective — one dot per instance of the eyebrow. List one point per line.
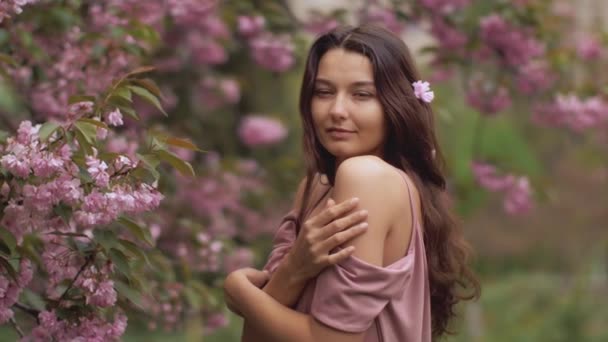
(356, 84)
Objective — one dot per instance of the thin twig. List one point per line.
(26, 309)
(90, 258)
(14, 324)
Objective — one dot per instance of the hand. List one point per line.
(239, 278)
(322, 233)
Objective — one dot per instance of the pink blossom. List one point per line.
(588, 48)
(518, 198)
(572, 112)
(231, 90)
(320, 25)
(97, 168)
(445, 6)
(534, 77)
(383, 16)
(517, 191)
(449, 38)
(103, 295)
(486, 97)
(273, 52)
(514, 44)
(250, 26)
(114, 118)
(258, 130)
(216, 321)
(422, 90)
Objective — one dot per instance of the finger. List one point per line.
(337, 257)
(331, 213)
(343, 237)
(343, 223)
(330, 202)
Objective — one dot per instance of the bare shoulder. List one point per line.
(369, 175)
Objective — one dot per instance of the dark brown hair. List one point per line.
(410, 145)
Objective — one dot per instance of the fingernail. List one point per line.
(363, 225)
(363, 213)
(354, 200)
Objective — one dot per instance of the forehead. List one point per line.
(339, 65)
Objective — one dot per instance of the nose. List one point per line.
(338, 107)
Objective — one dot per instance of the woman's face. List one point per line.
(347, 115)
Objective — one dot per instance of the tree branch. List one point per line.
(26, 309)
(14, 324)
(89, 259)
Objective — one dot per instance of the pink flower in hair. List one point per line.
(422, 90)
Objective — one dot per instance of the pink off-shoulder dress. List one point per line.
(389, 304)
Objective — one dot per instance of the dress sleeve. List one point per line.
(350, 295)
(282, 242)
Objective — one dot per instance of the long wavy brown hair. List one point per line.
(410, 145)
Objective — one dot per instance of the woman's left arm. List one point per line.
(356, 177)
(273, 320)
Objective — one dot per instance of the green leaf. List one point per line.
(148, 96)
(47, 129)
(4, 249)
(123, 92)
(106, 238)
(64, 211)
(120, 260)
(83, 142)
(8, 268)
(7, 59)
(183, 143)
(93, 122)
(182, 166)
(134, 250)
(128, 292)
(141, 70)
(139, 232)
(148, 84)
(88, 131)
(118, 101)
(81, 98)
(129, 111)
(7, 237)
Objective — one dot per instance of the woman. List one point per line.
(387, 263)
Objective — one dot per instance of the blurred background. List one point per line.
(522, 114)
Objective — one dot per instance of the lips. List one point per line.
(339, 130)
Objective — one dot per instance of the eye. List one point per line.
(322, 92)
(363, 95)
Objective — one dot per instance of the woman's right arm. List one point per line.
(310, 252)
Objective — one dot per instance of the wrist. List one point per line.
(289, 272)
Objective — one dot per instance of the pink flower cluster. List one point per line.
(46, 177)
(92, 329)
(517, 191)
(486, 97)
(572, 112)
(212, 93)
(444, 7)
(271, 51)
(10, 289)
(515, 45)
(257, 130)
(383, 16)
(9, 8)
(97, 286)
